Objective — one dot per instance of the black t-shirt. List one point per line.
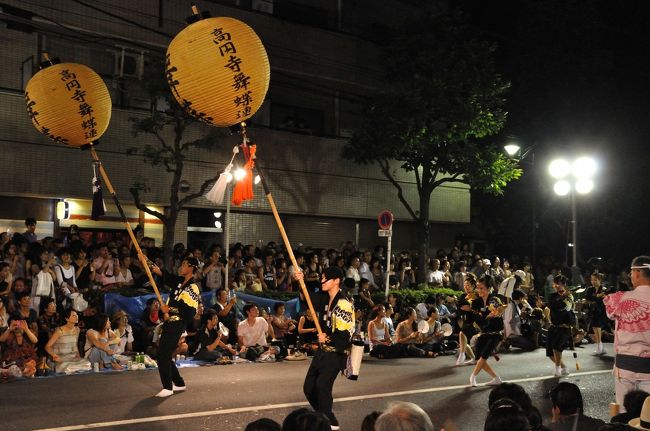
(204, 338)
(561, 309)
(482, 310)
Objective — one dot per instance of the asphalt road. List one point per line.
(229, 397)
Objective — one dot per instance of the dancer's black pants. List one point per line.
(171, 333)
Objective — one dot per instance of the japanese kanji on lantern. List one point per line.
(218, 70)
(69, 103)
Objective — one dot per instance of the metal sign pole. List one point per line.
(388, 254)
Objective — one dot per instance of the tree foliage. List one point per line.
(440, 101)
(169, 152)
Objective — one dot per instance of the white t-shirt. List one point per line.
(253, 334)
(435, 277)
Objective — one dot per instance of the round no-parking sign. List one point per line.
(385, 220)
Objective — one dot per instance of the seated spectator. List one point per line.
(407, 334)
(380, 343)
(433, 337)
(252, 334)
(307, 333)
(209, 346)
(20, 347)
(512, 318)
(25, 312)
(642, 422)
(4, 316)
(568, 410)
(48, 321)
(263, 424)
(100, 343)
(306, 420)
(123, 331)
(150, 320)
(284, 328)
(239, 283)
(403, 416)
(6, 279)
(505, 414)
(633, 403)
(63, 346)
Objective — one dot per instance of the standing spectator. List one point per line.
(225, 308)
(364, 267)
(30, 232)
(354, 273)
(434, 274)
(568, 410)
(124, 276)
(403, 416)
(378, 276)
(84, 270)
(213, 271)
(632, 335)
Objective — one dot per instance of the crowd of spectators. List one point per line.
(52, 317)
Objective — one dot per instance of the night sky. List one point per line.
(579, 72)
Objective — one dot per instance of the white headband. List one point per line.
(643, 266)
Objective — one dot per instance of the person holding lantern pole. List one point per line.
(179, 312)
(336, 316)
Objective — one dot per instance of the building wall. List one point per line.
(321, 196)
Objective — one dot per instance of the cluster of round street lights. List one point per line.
(581, 170)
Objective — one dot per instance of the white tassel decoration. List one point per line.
(218, 191)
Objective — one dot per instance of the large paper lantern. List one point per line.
(218, 71)
(69, 103)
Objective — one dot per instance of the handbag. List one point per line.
(79, 304)
(44, 284)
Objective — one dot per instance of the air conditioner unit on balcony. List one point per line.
(128, 64)
(265, 6)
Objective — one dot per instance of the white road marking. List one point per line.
(296, 404)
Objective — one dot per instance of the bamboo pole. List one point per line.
(125, 220)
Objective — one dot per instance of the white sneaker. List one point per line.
(564, 371)
(178, 388)
(461, 359)
(470, 362)
(472, 380)
(165, 393)
(495, 381)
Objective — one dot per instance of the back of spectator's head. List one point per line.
(566, 397)
(403, 416)
(348, 283)
(432, 309)
(510, 391)
(30, 221)
(633, 402)
(306, 420)
(369, 421)
(264, 424)
(505, 414)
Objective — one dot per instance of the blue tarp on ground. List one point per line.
(134, 306)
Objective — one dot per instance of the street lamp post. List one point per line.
(573, 177)
(514, 152)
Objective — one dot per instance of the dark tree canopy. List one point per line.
(440, 101)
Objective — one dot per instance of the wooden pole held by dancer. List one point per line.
(287, 244)
(125, 220)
